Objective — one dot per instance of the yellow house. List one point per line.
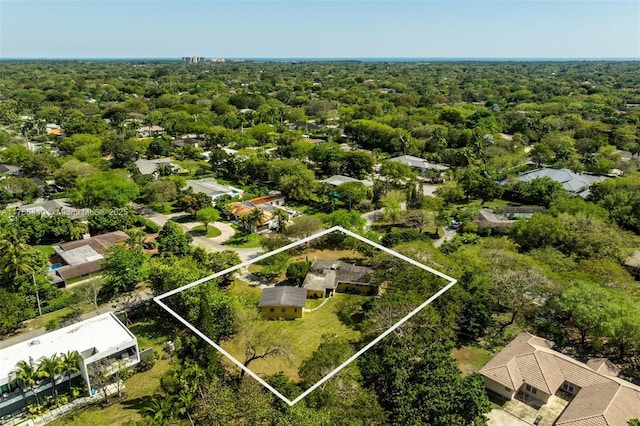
(282, 302)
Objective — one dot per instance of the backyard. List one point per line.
(138, 388)
(300, 337)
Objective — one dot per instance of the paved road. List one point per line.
(449, 233)
(209, 244)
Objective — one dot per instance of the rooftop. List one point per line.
(602, 398)
(337, 180)
(96, 334)
(283, 296)
(419, 163)
(577, 183)
(211, 187)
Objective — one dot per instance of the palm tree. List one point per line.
(160, 408)
(70, 362)
(17, 256)
(282, 216)
(50, 368)
(255, 217)
(28, 378)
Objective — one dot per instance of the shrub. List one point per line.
(147, 362)
(52, 324)
(150, 227)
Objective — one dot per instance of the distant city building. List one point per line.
(217, 60)
(194, 59)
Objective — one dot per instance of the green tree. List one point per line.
(424, 388)
(51, 368)
(348, 219)
(27, 377)
(206, 216)
(352, 193)
(587, 305)
(17, 258)
(304, 226)
(70, 362)
(191, 201)
(358, 164)
(297, 271)
(172, 240)
(539, 231)
(13, 310)
(160, 191)
(123, 268)
(108, 189)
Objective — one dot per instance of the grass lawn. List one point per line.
(200, 231)
(138, 388)
(301, 337)
(44, 249)
(243, 240)
(471, 358)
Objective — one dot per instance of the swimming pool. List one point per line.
(55, 266)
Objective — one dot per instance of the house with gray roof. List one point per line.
(150, 167)
(60, 206)
(9, 170)
(212, 188)
(419, 164)
(576, 183)
(326, 277)
(530, 370)
(337, 180)
(282, 302)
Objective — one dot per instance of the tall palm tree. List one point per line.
(70, 362)
(255, 217)
(51, 368)
(17, 256)
(283, 217)
(28, 378)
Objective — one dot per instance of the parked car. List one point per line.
(148, 245)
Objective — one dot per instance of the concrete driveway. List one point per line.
(499, 417)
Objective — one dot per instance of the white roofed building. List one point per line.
(95, 339)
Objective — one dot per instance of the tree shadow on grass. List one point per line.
(136, 404)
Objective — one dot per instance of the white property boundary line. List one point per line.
(439, 293)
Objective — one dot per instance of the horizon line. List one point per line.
(327, 58)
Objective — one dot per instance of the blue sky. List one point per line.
(320, 29)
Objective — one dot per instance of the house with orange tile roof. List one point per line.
(267, 204)
(530, 367)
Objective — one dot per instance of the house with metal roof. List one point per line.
(530, 369)
(576, 183)
(282, 302)
(326, 277)
(102, 339)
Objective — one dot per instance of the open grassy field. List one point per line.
(300, 337)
